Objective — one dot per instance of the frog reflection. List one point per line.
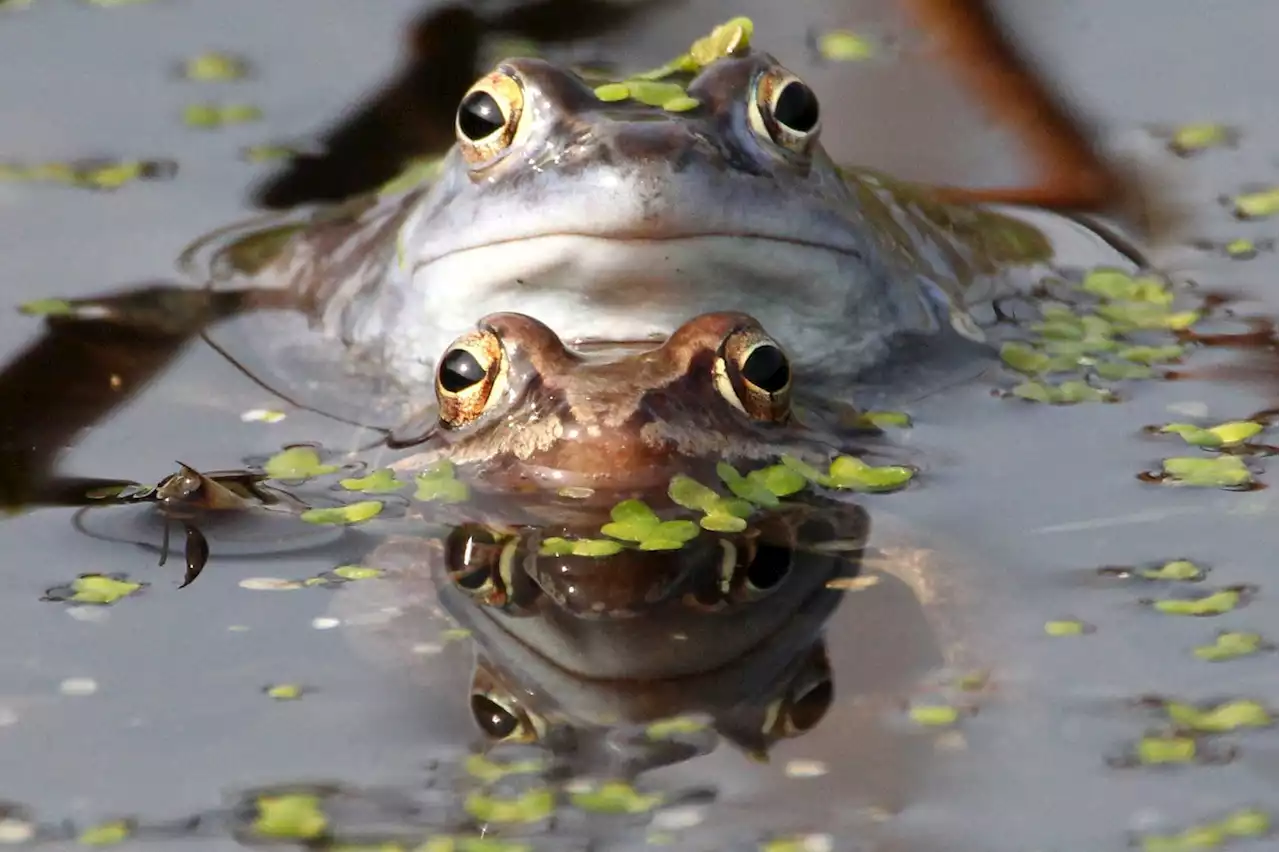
(737, 638)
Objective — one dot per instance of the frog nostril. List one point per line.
(479, 116)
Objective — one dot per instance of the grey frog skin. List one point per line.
(619, 220)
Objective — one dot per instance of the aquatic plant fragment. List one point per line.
(353, 513)
(297, 464)
(293, 816)
(1216, 472)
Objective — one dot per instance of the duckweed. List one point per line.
(47, 308)
(357, 572)
(1241, 249)
(353, 513)
(1151, 354)
(593, 547)
(285, 691)
(439, 483)
(1158, 750)
(95, 589)
(934, 715)
(674, 726)
(1218, 472)
(487, 771)
(99, 175)
(207, 116)
(884, 419)
(297, 463)
(1256, 205)
(844, 46)
(1067, 393)
(1024, 358)
(294, 816)
(1119, 286)
(471, 844)
(1223, 718)
(1248, 822)
(1229, 646)
(1182, 570)
(753, 489)
(213, 66)
(1223, 435)
(613, 797)
(634, 521)
(382, 481)
(1192, 138)
(1215, 603)
(106, 834)
(531, 806)
(1066, 628)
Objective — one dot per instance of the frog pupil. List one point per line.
(460, 370)
(494, 719)
(796, 107)
(479, 115)
(766, 368)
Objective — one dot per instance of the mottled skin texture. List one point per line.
(619, 221)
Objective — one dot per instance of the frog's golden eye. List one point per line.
(784, 110)
(490, 117)
(471, 375)
(753, 374)
(500, 715)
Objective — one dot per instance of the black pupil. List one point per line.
(766, 368)
(479, 115)
(796, 107)
(494, 719)
(460, 370)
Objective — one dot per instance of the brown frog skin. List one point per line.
(524, 411)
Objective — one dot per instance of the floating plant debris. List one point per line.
(95, 589)
(844, 46)
(439, 483)
(1229, 645)
(94, 174)
(297, 463)
(207, 116)
(1223, 435)
(294, 816)
(353, 513)
(1216, 472)
(215, 66)
(613, 797)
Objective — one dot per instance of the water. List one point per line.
(1017, 506)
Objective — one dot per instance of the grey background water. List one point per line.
(1021, 503)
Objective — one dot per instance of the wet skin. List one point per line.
(522, 417)
(619, 220)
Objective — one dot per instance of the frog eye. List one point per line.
(754, 375)
(489, 117)
(470, 375)
(500, 716)
(486, 566)
(784, 110)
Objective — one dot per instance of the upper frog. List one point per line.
(618, 219)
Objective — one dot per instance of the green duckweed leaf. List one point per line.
(1067, 393)
(844, 46)
(746, 488)
(632, 521)
(1146, 315)
(214, 66)
(1195, 839)
(612, 92)
(1115, 371)
(780, 479)
(207, 116)
(884, 419)
(1215, 472)
(1241, 249)
(1197, 136)
(1222, 435)
(1151, 354)
(295, 816)
(1162, 750)
(297, 463)
(47, 308)
(1256, 205)
(1179, 569)
(1247, 822)
(593, 547)
(653, 93)
(100, 589)
(357, 572)
(934, 715)
(1115, 285)
(680, 103)
(1229, 716)
(353, 513)
(723, 523)
(680, 531)
(1215, 603)
(382, 481)
(1230, 645)
(688, 492)
(614, 797)
(107, 834)
(1024, 359)
(532, 805)
(487, 770)
(732, 38)
(674, 726)
(1065, 628)
(437, 483)
(285, 691)
(855, 474)
(810, 474)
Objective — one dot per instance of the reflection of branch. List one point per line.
(1072, 176)
(412, 115)
(83, 367)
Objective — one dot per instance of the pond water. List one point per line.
(1001, 674)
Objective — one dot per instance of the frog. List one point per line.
(552, 439)
(615, 218)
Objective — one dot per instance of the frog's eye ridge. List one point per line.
(753, 375)
(470, 378)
